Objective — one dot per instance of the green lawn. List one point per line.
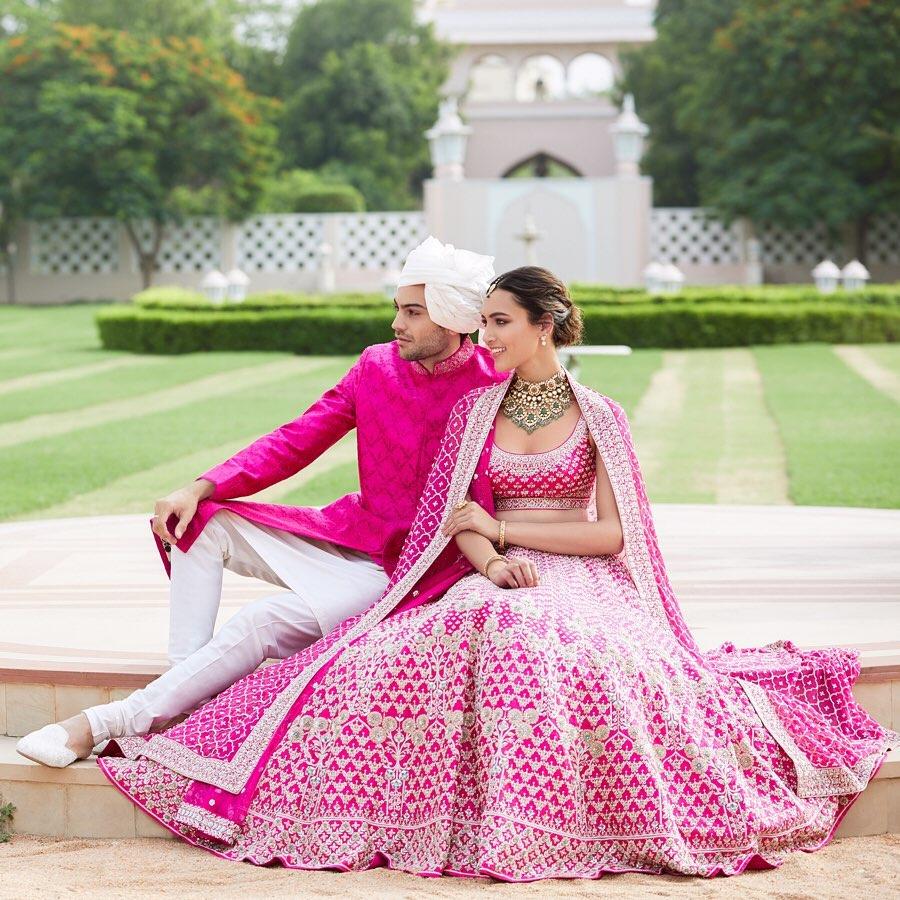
(86, 432)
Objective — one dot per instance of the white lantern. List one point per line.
(826, 275)
(672, 278)
(628, 136)
(653, 277)
(214, 285)
(447, 141)
(237, 285)
(855, 275)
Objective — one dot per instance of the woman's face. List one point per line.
(511, 338)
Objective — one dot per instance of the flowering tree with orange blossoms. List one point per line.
(97, 122)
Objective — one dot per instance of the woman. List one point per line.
(525, 701)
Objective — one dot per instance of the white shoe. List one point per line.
(47, 746)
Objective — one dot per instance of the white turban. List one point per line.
(456, 282)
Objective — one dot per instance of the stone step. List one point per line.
(78, 802)
(32, 698)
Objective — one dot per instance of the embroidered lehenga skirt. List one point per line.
(557, 730)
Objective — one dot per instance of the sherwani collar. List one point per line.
(451, 363)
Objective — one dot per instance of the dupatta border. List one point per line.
(605, 431)
(232, 775)
(813, 781)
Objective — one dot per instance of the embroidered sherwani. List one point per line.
(399, 410)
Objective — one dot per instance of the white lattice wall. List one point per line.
(884, 239)
(193, 246)
(686, 235)
(779, 246)
(281, 252)
(280, 243)
(74, 246)
(265, 243)
(378, 240)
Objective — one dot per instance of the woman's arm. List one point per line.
(511, 573)
(574, 538)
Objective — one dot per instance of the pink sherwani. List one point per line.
(399, 410)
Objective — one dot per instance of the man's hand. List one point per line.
(181, 503)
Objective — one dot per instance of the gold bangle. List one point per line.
(492, 558)
(502, 543)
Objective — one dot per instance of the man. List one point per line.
(333, 562)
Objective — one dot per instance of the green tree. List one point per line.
(230, 27)
(361, 86)
(301, 191)
(780, 111)
(97, 122)
(663, 78)
(801, 99)
(245, 32)
(212, 21)
(18, 16)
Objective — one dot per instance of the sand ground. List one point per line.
(44, 867)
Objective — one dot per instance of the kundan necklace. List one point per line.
(531, 404)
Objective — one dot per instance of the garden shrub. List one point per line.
(335, 330)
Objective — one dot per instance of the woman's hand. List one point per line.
(472, 517)
(513, 572)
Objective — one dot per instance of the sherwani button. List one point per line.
(212, 802)
(415, 593)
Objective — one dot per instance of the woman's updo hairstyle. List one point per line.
(539, 292)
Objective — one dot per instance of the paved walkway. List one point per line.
(92, 593)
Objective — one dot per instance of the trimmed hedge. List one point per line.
(177, 298)
(331, 329)
(882, 295)
(305, 331)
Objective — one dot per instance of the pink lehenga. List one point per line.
(565, 730)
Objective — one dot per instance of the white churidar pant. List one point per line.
(325, 584)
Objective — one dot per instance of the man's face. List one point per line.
(417, 336)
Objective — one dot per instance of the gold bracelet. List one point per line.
(502, 543)
(492, 558)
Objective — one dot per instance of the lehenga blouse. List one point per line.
(561, 478)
